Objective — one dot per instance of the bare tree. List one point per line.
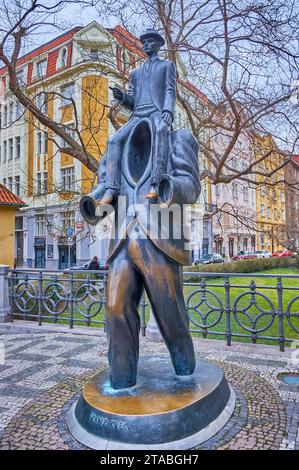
(243, 56)
(22, 22)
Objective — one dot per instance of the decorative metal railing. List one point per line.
(210, 208)
(70, 297)
(259, 307)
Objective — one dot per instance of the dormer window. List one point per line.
(94, 54)
(62, 58)
(41, 68)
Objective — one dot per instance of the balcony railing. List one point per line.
(255, 308)
(210, 208)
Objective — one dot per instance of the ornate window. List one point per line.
(68, 93)
(17, 147)
(17, 185)
(68, 178)
(62, 58)
(40, 225)
(10, 151)
(41, 68)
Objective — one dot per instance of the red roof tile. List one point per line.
(45, 47)
(127, 39)
(7, 198)
(123, 37)
(195, 90)
(296, 158)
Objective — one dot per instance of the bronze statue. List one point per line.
(152, 93)
(147, 173)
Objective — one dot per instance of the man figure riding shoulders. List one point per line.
(151, 94)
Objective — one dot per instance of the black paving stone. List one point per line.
(258, 362)
(69, 339)
(73, 352)
(28, 357)
(27, 346)
(25, 373)
(14, 390)
(51, 347)
(80, 363)
(4, 367)
(21, 338)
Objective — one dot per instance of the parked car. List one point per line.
(78, 268)
(263, 253)
(210, 258)
(102, 263)
(244, 255)
(282, 253)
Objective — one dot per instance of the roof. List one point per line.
(127, 39)
(122, 36)
(195, 90)
(295, 158)
(44, 48)
(7, 198)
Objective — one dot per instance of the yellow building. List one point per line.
(270, 195)
(67, 78)
(9, 203)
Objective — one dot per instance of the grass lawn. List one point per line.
(252, 311)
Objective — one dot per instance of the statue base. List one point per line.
(163, 411)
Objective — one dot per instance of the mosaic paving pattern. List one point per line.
(43, 375)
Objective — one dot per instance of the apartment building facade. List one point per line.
(270, 196)
(234, 222)
(292, 202)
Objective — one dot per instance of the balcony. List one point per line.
(210, 208)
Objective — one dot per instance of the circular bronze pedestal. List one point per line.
(163, 411)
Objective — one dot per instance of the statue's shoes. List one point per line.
(105, 200)
(108, 197)
(152, 195)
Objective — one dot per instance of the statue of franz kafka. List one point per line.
(150, 166)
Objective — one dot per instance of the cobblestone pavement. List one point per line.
(43, 374)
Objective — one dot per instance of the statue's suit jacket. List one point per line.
(183, 188)
(162, 86)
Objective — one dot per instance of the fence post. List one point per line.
(280, 314)
(228, 312)
(71, 294)
(39, 297)
(143, 305)
(4, 293)
(105, 283)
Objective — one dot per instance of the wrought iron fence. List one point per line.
(249, 307)
(70, 297)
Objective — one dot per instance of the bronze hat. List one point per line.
(153, 34)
